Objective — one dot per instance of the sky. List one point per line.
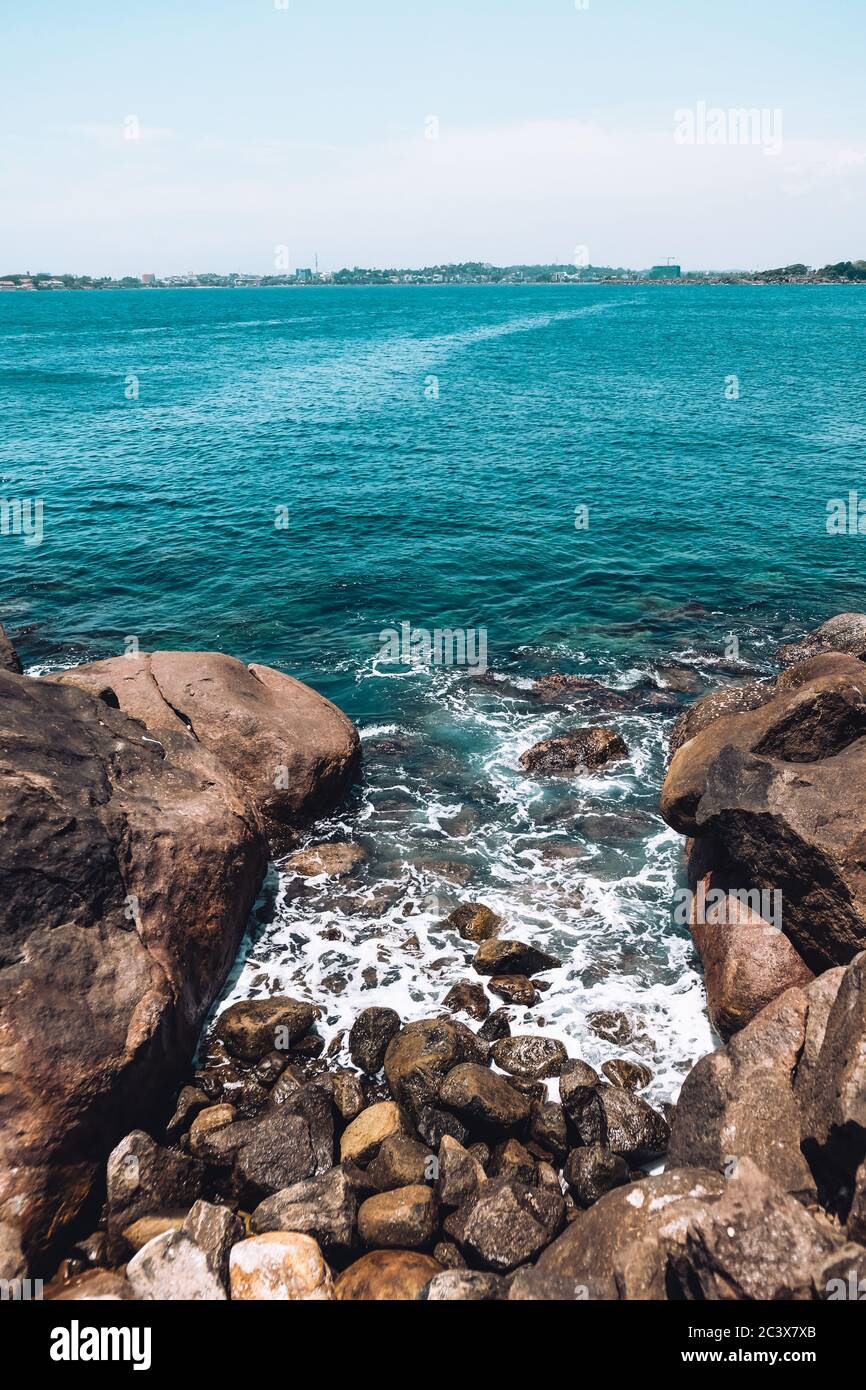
(242, 135)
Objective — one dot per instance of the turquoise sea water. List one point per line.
(429, 449)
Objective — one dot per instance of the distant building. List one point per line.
(149, 278)
(304, 274)
(665, 272)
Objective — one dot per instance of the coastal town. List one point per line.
(466, 273)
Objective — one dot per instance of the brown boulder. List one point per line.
(747, 961)
(483, 1099)
(508, 957)
(369, 1037)
(580, 751)
(290, 749)
(514, 989)
(126, 881)
(324, 1207)
(833, 1100)
(254, 1027)
(474, 922)
(530, 1056)
(506, 1224)
(846, 632)
(387, 1276)
(469, 998)
(404, 1218)
(619, 1248)
(422, 1054)
(362, 1139)
(330, 859)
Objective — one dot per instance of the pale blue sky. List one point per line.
(305, 127)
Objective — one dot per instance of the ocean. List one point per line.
(621, 482)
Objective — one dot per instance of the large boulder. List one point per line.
(748, 962)
(292, 751)
(254, 1027)
(846, 632)
(404, 1218)
(739, 1103)
(773, 795)
(760, 1244)
(126, 881)
(324, 1207)
(833, 1095)
(620, 1247)
(510, 957)
(484, 1100)
(369, 1037)
(506, 1223)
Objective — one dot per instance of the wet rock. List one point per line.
(739, 1102)
(460, 1173)
(529, 1056)
(511, 1160)
(369, 1037)
(345, 1091)
(633, 1128)
(511, 957)
(580, 751)
(265, 1155)
(313, 1102)
(434, 1125)
(330, 859)
(9, 658)
(189, 1103)
(324, 1207)
(612, 1025)
(465, 1286)
(514, 989)
(484, 1100)
(401, 1162)
(419, 1058)
(404, 1218)
(634, 1076)
(578, 1083)
(592, 1171)
(126, 879)
(498, 1024)
(387, 1276)
(506, 1224)
(548, 1129)
(291, 750)
(172, 1267)
(215, 1229)
(255, 1027)
(468, 997)
(844, 633)
(280, 1266)
(270, 1068)
(363, 1138)
(757, 1243)
(474, 922)
(447, 1255)
(143, 1178)
(620, 1247)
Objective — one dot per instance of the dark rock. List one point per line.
(460, 1173)
(578, 1083)
(9, 659)
(474, 922)
(12, 1262)
(498, 1024)
(143, 1178)
(421, 1055)
(370, 1035)
(511, 1160)
(592, 1171)
(265, 1155)
(270, 1068)
(255, 1027)
(506, 1224)
(401, 1162)
(833, 1105)
(580, 751)
(404, 1218)
(633, 1128)
(433, 1125)
(468, 997)
(215, 1230)
(324, 1207)
(514, 989)
(189, 1103)
(484, 1100)
(547, 1127)
(510, 957)
(447, 1255)
(529, 1056)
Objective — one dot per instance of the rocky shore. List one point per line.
(456, 1158)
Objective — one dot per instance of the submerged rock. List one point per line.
(580, 751)
(509, 957)
(474, 922)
